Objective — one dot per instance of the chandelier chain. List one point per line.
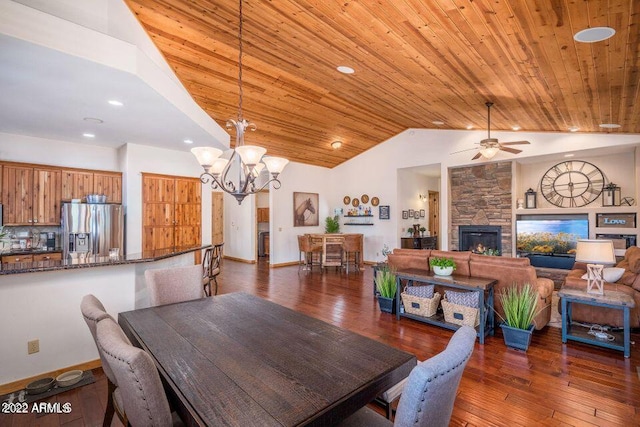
(240, 65)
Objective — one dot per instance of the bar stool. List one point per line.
(352, 248)
(332, 251)
(316, 243)
(304, 246)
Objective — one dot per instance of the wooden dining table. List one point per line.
(239, 360)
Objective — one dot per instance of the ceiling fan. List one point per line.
(489, 147)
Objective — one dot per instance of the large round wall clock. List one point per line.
(572, 184)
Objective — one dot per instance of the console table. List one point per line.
(483, 287)
(611, 299)
(430, 242)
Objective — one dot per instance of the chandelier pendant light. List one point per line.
(247, 160)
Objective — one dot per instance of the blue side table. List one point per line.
(611, 299)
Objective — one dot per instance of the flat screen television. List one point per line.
(544, 237)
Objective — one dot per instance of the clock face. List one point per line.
(572, 184)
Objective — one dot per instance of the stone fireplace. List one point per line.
(478, 238)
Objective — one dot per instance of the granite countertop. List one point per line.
(90, 261)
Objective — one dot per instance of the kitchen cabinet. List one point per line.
(263, 214)
(54, 256)
(31, 195)
(171, 212)
(76, 184)
(8, 259)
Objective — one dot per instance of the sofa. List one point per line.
(506, 270)
(629, 283)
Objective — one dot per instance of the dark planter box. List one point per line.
(517, 338)
(387, 305)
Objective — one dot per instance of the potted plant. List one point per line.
(422, 230)
(519, 304)
(386, 286)
(442, 266)
(332, 225)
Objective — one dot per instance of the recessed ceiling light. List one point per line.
(345, 70)
(438, 122)
(93, 120)
(115, 102)
(336, 144)
(88, 135)
(574, 129)
(569, 155)
(469, 127)
(609, 125)
(188, 141)
(595, 34)
(516, 127)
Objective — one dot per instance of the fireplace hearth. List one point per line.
(480, 238)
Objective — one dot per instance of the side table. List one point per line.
(611, 299)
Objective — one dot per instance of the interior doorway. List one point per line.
(434, 214)
(217, 217)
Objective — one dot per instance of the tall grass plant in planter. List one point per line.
(386, 286)
(519, 304)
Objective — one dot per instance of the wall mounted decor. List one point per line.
(375, 201)
(305, 209)
(611, 195)
(572, 184)
(410, 213)
(355, 203)
(530, 199)
(422, 213)
(383, 212)
(405, 214)
(364, 198)
(346, 200)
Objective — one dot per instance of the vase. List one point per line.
(515, 337)
(442, 271)
(387, 305)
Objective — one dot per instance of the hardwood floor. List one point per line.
(551, 384)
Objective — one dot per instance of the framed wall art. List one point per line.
(410, 213)
(405, 214)
(305, 209)
(422, 213)
(383, 212)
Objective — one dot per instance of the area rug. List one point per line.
(21, 396)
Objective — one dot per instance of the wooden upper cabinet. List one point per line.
(31, 195)
(76, 185)
(109, 184)
(263, 214)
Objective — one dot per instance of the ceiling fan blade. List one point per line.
(515, 143)
(477, 156)
(511, 150)
(462, 151)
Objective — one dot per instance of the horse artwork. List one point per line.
(305, 209)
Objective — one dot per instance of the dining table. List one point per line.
(240, 360)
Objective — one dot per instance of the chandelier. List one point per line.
(247, 160)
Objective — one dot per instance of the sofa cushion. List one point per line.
(610, 274)
(502, 260)
(632, 257)
(401, 262)
(460, 258)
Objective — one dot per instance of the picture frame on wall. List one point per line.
(405, 214)
(305, 209)
(410, 213)
(383, 212)
(416, 214)
(422, 213)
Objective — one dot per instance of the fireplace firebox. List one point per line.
(480, 238)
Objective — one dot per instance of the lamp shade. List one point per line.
(275, 165)
(206, 155)
(595, 252)
(489, 152)
(218, 165)
(250, 154)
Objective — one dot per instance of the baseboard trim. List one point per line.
(284, 264)
(20, 384)
(246, 261)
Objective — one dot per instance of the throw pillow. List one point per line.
(632, 255)
(468, 299)
(420, 291)
(610, 274)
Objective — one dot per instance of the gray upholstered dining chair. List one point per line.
(143, 396)
(430, 390)
(176, 284)
(93, 312)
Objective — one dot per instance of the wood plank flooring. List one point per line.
(552, 384)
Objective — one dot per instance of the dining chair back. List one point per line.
(332, 251)
(304, 247)
(352, 250)
(176, 284)
(211, 268)
(430, 391)
(143, 397)
(93, 312)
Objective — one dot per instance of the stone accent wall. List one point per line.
(481, 195)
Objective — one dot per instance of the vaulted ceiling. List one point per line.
(415, 62)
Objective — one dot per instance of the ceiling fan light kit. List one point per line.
(489, 147)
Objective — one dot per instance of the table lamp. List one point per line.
(597, 254)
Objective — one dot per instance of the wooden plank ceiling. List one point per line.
(416, 62)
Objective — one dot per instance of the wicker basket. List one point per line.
(420, 306)
(460, 314)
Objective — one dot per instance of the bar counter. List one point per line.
(91, 261)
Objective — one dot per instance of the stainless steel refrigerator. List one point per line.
(92, 229)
